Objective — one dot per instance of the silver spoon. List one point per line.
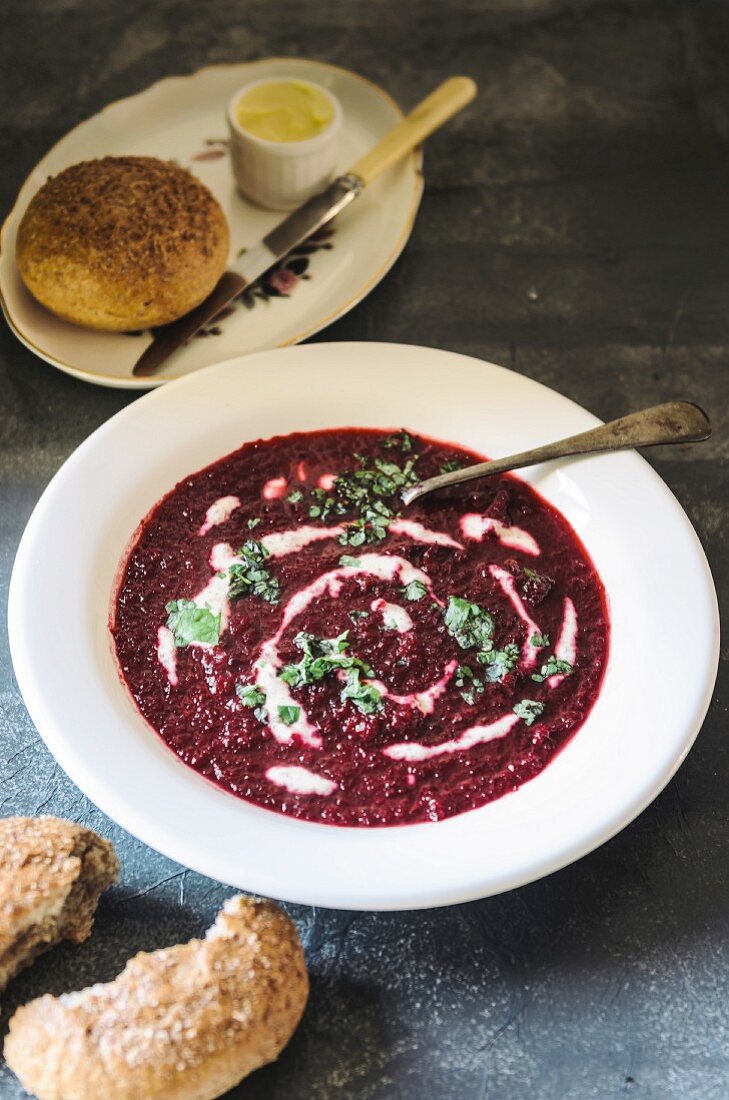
(672, 422)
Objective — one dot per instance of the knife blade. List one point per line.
(432, 112)
(294, 229)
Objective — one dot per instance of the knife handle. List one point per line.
(435, 109)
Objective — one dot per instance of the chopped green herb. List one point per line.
(289, 715)
(365, 696)
(361, 531)
(253, 522)
(400, 439)
(250, 695)
(190, 623)
(370, 492)
(498, 662)
(321, 656)
(469, 624)
(249, 577)
(451, 465)
(324, 505)
(354, 615)
(553, 666)
(295, 497)
(349, 560)
(539, 641)
(471, 685)
(528, 710)
(414, 590)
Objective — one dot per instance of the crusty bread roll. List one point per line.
(51, 875)
(184, 1023)
(122, 243)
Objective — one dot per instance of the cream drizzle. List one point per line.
(266, 670)
(505, 579)
(566, 647)
(299, 780)
(281, 543)
(268, 664)
(475, 735)
(424, 701)
(475, 526)
(167, 653)
(214, 596)
(274, 488)
(394, 617)
(418, 533)
(218, 512)
(385, 567)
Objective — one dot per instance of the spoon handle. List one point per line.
(672, 422)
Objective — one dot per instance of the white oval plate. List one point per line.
(658, 582)
(176, 119)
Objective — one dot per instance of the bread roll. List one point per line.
(122, 243)
(51, 875)
(184, 1023)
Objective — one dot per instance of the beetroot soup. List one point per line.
(300, 638)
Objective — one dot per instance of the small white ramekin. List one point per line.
(282, 174)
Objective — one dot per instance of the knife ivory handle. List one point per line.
(434, 110)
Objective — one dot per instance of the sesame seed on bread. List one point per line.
(122, 243)
(184, 1023)
(51, 875)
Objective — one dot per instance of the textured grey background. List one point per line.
(575, 227)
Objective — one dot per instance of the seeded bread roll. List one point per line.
(122, 243)
(51, 875)
(184, 1023)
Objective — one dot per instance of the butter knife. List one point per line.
(428, 116)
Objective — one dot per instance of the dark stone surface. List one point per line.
(574, 227)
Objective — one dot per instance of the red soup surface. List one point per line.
(299, 637)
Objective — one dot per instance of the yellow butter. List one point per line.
(284, 110)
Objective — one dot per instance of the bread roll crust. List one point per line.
(184, 1023)
(122, 243)
(51, 875)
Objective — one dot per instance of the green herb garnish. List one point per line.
(348, 560)
(249, 577)
(253, 522)
(289, 715)
(553, 666)
(370, 492)
(469, 624)
(470, 684)
(354, 615)
(400, 439)
(414, 590)
(365, 697)
(321, 657)
(250, 695)
(190, 623)
(361, 531)
(451, 465)
(498, 662)
(528, 710)
(539, 641)
(295, 497)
